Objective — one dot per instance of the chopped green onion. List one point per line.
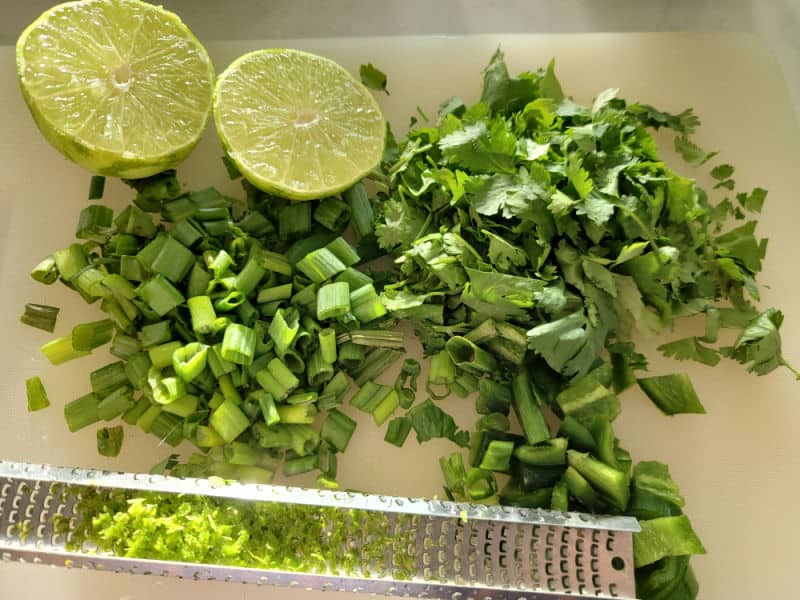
(297, 413)
(135, 221)
(250, 276)
(320, 265)
(131, 269)
(239, 453)
(208, 198)
(202, 314)
(81, 412)
(173, 261)
(184, 406)
(278, 292)
(199, 281)
(161, 355)
(284, 328)
(294, 220)
(229, 390)
(40, 316)
(137, 368)
(354, 278)
(318, 370)
(89, 282)
(560, 498)
(332, 214)
(190, 360)
(493, 422)
(453, 471)
(217, 228)
(363, 217)
(167, 428)
(124, 346)
(327, 345)
(366, 305)
(218, 365)
(108, 377)
(333, 300)
(370, 396)
(36, 394)
(255, 224)
(441, 372)
(218, 263)
(376, 362)
(126, 244)
(247, 313)
(119, 286)
(178, 209)
(155, 333)
(344, 251)
(206, 437)
(301, 464)
(469, 356)
(239, 344)
(60, 350)
(109, 441)
(160, 295)
(229, 421)
(376, 338)
(145, 421)
(337, 429)
(479, 484)
(212, 213)
(96, 187)
(386, 408)
(497, 456)
(272, 261)
(528, 411)
(229, 301)
(494, 397)
(148, 254)
(187, 233)
(267, 405)
(70, 261)
(484, 332)
(95, 223)
(165, 390)
(334, 392)
(46, 271)
(132, 415)
(613, 483)
(397, 431)
(115, 403)
(307, 244)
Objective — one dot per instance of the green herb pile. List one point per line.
(531, 236)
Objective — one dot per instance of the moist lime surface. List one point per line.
(297, 124)
(121, 87)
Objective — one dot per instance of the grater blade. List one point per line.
(457, 551)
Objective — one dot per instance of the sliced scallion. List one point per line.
(46, 271)
(40, 316)
(60, 350)
(81, 412)
(36, 394)
(239, 344)
(320, 265)
(333, 300)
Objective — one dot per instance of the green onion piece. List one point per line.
(167, 428)
(89, 283)
(119, 286)
(229, 421)
(328, 463)
(376, 362)
(307, 244)
(108, 377)
(46, 271)
(206, 437)
(351, 356)
(320, 265)
(132, 415)
(497, 456)
(294, 220)
(528, 411)
(297, 413)
(581, 490)
(337, 429)
(187, 233)
(174, 260)
(479, 484)
(366, 304)
(60, 350)
(332, 214)
(239, 344)
(239, 453)
(113, 404)
(124, 346)
(208, 198)
(135, 221)
(470, 357)
(484, 332)
(318, 370)
(263, 345)
(327, 345)
(255, 224)
(155, 334)
(228, 389)
(161, 355)
(247, 313)
(354, 278)
(441, 372)
(511, 345)
(334, 392)
(218, 263)
(272, 261)
(494, 422)
(126, 244)
(513, 495)
(145, 421)
(165, 390)
(285, 378)
(217, 229)
(81, 412)
(212, 213)
(229, 301)
(114, 308)
(306, 298)
(363, 217)
(199, 280)
(109, 441)
(183, 406)
(333, 300)
(344, 251)
(377, 338)
(37, 396)
(202, 314)
(302, 398)
(70, 261)
(453, 471)
(613, 483)
(216, 399)
(250, 276)
(131, 269)
(267, 405)
(160, 295)
(96, 187)
(40, 316)
(190, 360)
(550, 453)
(218, 365)
(95, 223)
(397, 431)
(148, 254)
(386, 408)
(371, 396)
(284, 328)
(494, 397)
(178, 209)
(301, 464)
(560, 498)
(278, 292)
(137, 368)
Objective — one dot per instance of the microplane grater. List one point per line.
(459, 551)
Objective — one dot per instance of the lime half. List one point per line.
(296, 124)
(121, 87)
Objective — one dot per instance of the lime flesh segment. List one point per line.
(121, 87)
(297, 124)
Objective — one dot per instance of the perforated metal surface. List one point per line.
(456, 551)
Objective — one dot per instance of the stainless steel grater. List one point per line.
(459, 551)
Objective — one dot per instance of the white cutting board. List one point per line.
(738, 466)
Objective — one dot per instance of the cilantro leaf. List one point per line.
(759, 344)
(722, 172)
(502, 93)
(502, 254)
(429, 421)
(569, 345)
(665, 536)
(653, 492)
(509, 195)
(401, 224)
(596, 208)
(549, 85)
(373, 78)
(754, 201)
(690, 348)
(673, 394)
(578, 176)
(691, 152)
(483, 147)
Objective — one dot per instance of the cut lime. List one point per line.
(296, 124)
(121, 87)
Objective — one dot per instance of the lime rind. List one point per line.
(296, 124)
(131, 131)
